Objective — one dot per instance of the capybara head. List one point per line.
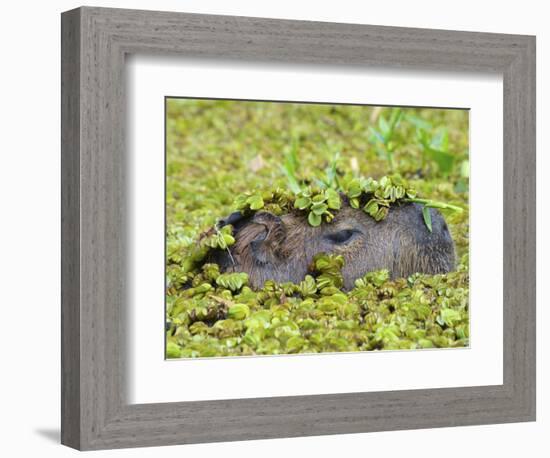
(269, 247)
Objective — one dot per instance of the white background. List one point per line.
(29, 232)
(150, 79)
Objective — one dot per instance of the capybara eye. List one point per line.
(341, 237)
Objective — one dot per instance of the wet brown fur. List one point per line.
(271, 248)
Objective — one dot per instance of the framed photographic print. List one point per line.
(281, 228)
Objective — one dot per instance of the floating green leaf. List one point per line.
(255, 201)
(233, 281)
(314, 219)
(238, 311)
(427, 217)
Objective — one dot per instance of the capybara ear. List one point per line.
(233, 219)
(265, 236)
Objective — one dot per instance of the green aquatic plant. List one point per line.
(213, 238)
(383, 136)
(375, 197)
(436, 148)
(380, 313)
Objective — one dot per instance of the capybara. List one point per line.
(269, 247)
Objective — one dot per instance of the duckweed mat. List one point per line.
(224, 156)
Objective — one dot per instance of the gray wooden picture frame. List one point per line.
(95, 412)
